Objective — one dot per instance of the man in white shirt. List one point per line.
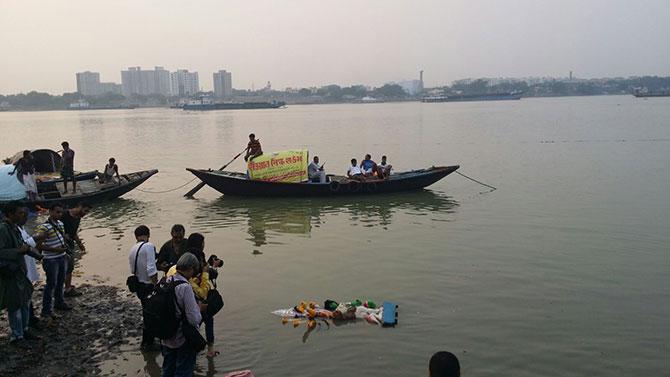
(384, 169)
(355, 172)
(315, 172)
(142, 260)
(31, 268)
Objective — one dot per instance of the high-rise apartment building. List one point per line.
(223, 84)
(88, 83)
(184, 83)
(136, 81)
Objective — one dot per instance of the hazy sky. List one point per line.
(302, 43)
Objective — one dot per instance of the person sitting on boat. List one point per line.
(26, 174)
(253, 148)
(384, 169)
(315, 172)
(111, 169)
(368, 166)
(355, 173)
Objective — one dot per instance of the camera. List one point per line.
(214, 261)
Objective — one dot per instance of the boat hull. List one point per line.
(92, 191)
(237, 184)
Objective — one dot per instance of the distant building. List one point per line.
(184, 83)
(411, 87)
(136, 81)
(421, 87)
(110, 87)
(223, 84)
(88, 83)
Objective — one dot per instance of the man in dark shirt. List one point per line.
(253, 148)
(67, 169)
(71, 219)
(171, 250)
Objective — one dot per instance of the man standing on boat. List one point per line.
(67, 170)
(253, 148)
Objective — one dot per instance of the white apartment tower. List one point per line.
(184, 83)
(88, 83)
(223, 84)
(136, 81)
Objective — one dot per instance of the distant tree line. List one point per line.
(355, 93)
(560, 87)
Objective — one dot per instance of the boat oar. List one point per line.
(202, 184)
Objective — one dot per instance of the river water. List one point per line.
(564, 270)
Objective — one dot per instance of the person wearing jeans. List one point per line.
(53, 247)
(54, 269)
(15, 288)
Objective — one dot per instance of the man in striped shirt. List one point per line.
(54, 263)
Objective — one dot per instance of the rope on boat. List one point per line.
(474, 180)
(166, 191)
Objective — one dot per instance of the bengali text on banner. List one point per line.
(284, 166)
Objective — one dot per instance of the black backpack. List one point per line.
(159, 310)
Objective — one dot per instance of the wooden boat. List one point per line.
(90, 190)
(233, 183)
(47, 167)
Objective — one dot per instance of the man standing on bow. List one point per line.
(67, 169)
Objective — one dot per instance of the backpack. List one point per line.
(159, 312)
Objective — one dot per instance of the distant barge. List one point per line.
(207, 105)
(651, 94)
(84, 105)
(506, 96)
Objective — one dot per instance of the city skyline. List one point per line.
(306, 44)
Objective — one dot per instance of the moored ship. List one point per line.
(504, 96)
(645, 93)
(205, 104)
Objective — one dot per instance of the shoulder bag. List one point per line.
(132, 281)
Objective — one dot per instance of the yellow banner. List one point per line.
(284, 166)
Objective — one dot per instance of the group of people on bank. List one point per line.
(25, 169)
(53, 244)
(179, 259)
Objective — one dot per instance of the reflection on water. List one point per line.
(266, 219)
(115, 218)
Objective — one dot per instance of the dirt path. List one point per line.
(103, 319)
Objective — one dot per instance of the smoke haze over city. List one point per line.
(301, 43)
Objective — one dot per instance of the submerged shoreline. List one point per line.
(102, 320)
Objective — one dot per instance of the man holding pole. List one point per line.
(253, 148)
